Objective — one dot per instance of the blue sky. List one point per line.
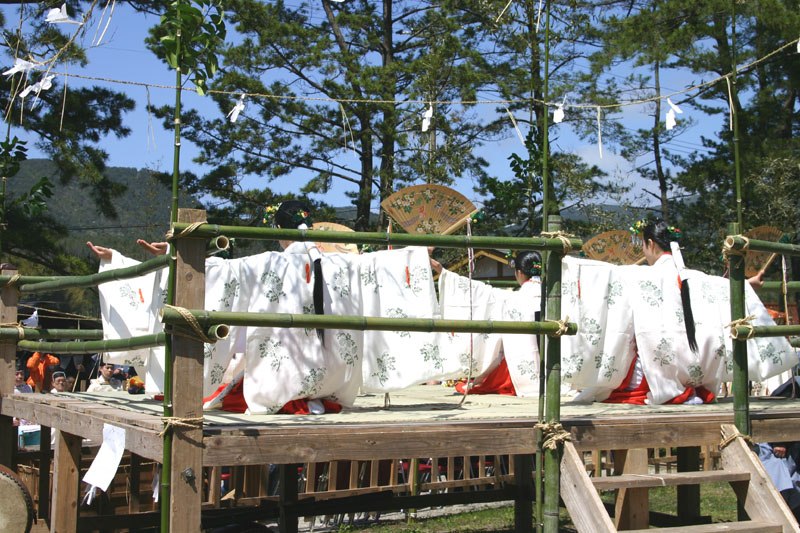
(122, 56)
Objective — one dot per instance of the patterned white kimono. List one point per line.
(283, 364)
(488, 303)
(613, 305)
(399, 284)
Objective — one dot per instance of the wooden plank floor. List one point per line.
(422, 422)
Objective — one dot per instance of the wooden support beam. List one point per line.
(66, 472)
(523, 499)
(187, 385)
(761, 499)
(134, 484)
(580, 497)
(632, 481)
(8, 358)
(632, 509)
(44, 473)
(689, 495)
(288, 497)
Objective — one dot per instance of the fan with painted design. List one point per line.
(334, 247)
(754, 262)
(429, 209)
(614, 247)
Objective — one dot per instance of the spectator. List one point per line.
(105, 381)
(70, 383)
(40, 372)
(20, 387)
(59, 382)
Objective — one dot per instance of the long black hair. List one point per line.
(529, 262)
(662, 233)
(291, 214)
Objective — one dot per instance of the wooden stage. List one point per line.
(423, 421)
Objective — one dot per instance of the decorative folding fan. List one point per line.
(334, 247)
(429, 209)
(754, 262)
(614, 247)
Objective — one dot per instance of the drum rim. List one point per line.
(10, 474)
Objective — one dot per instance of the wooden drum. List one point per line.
(16, 505)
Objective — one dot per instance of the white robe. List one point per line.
(613, 305)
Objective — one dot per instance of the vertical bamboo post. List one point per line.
(741, 399)
(552, 458)
(734, 98)
(186, 466)
(66, 471)
(8, 359)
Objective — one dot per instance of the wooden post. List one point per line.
(8, 359)
(134, 483)
(688, 495)
(44, 473)
(633, 505)
(288, 496)
(523, 501)
(66, 472)
(741, 399)
(552, 458)
(186, 470)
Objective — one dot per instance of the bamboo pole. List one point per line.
(735, 116)
(362, 323)
(741, 400)
(552, 457)
(92, 280)
(777, 286)
(738, 242)
(742, 332)
(501, 283)
(35, 333)
(390, 239)
(22, 280)
(116, 345)
(217, 244)
(795, 342)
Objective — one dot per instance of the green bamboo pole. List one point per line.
(117, 345)
(501, 283)
(552, 458)
(741, 400)
(217, 244)
(35, 333)
(92, 280)
(393, 239)
(362, 323)
(737, 242)
(742, 332)
(734, 96)
(777, 286)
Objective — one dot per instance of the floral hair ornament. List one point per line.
(269, 213)
(302, 217)
(476, 217)
(674, 233)
(511, 256)
(536, 268)
(636, 230)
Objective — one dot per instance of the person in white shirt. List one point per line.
(105, 381)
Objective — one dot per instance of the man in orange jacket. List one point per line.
(40, 375)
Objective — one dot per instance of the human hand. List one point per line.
(779, 451)
(155, 248)
(757, 281)
(100, 251)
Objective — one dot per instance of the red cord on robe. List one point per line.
(497, 382)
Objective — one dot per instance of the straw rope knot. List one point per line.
(742, 323)
(13, 280)
(554, 434)
(176, 421)
(562, 327)
(728, 249)
(193, 323)
(170, 236)
(730, 438)
(561, 236)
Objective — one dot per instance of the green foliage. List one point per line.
(188, 38)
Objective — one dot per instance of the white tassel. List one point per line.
(233, 114)
(426, 118)
(558, 114)
(671, 121)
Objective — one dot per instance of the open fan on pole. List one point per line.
(614, 247)
(429, 209)
(334, 247)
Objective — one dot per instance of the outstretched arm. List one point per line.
(155, 248)
(757, 281)
(100, 251)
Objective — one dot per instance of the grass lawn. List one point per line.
(716, 500)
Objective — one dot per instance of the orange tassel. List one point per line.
(579, 289)
(141, 296)
(680, 283)
(408, 277)
(308, 273)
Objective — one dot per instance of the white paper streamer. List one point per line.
(677, 259)
(33, 320)
(426, 118)
(41, 85)
(599, 133)
(730, 103)
(233, 114)
(56, 16)
(514, 122)
(20, 65)
(157, 484)
(105, 464)
(671, 121)
(558, 114)
(345, 127)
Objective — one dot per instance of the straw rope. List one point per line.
(727, 440)
(728, 249)
(186, 231)
(554, 434)
(176, 421)
(192, 321)
(14, 279)
(562, 327)
(561, 236)
(742, 323)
